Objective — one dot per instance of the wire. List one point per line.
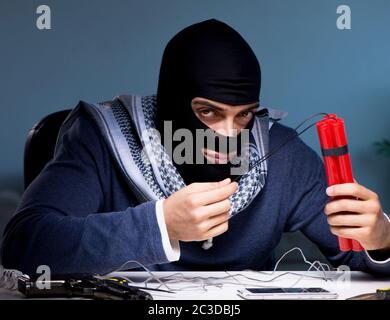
(145, 268)
(288, 139)
(202, 283)
(303, 256)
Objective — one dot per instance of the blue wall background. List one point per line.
(98, 49)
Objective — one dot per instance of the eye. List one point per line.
(206, 112)
(246, 114)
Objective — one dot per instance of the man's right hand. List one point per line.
(199, 211)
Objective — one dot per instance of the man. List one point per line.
(113, 193)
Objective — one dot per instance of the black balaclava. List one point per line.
(209, 60)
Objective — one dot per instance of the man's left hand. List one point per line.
(359, 216)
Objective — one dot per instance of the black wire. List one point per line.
(292, 136)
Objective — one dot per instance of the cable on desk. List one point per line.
(201, 283)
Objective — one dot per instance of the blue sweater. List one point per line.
(79, 215)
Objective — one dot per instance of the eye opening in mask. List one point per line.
(224, 119)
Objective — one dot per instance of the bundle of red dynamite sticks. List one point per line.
(334, 147)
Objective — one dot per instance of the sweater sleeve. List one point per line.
(307, 203)
(60, 221)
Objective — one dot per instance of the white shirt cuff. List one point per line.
(379, 261)
(171, 247)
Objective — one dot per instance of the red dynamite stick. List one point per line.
(337, 163)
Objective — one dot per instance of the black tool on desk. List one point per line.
(91, 287)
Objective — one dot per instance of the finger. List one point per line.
(217, 230)
(216, 220)
(205, 186)
(350, 189)
(216, 208)
(350, 205)
(215, 195)
(348, 220)
(348, 232)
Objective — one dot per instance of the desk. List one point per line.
(360, 283)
